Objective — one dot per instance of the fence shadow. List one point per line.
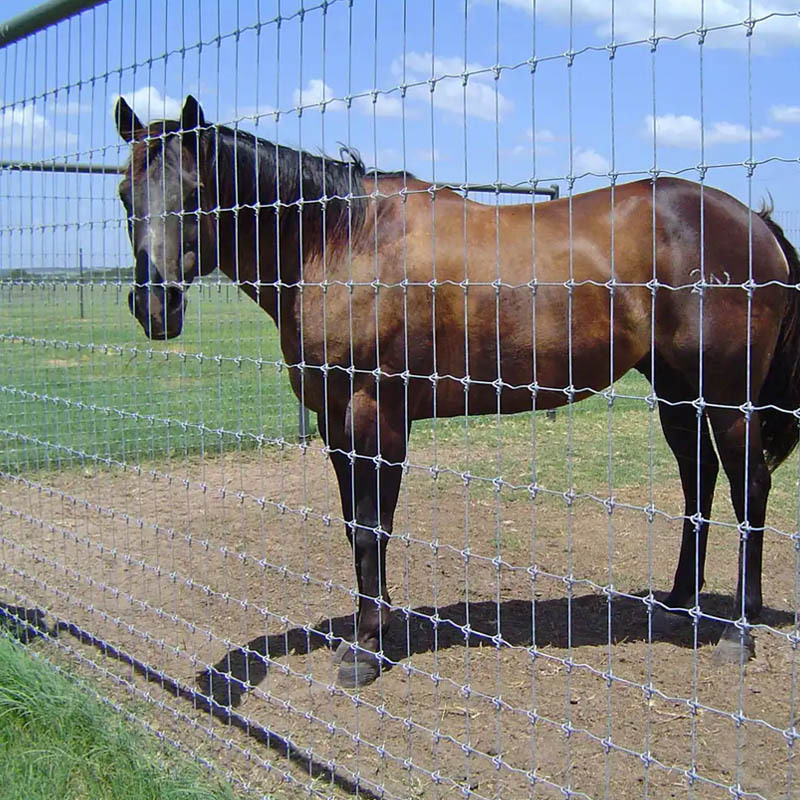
(27, 624)
(220, 687)
(425, 628)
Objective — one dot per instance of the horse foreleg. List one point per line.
(368, 465)
(376, 490)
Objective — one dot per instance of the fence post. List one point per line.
(303, 425)
(80, 278)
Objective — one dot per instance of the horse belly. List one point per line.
(546, 349)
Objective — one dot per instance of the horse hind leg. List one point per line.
(739, 445)
(690, 441)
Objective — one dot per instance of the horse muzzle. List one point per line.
(158, 310)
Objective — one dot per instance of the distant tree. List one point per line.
(16, 274)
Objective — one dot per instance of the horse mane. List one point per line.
(375, 173)
(256, 173)
(350, 154)
(249, 172)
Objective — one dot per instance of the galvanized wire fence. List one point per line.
(168, 524)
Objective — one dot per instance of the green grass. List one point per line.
(583, 447)
(57, 741)
(77, 390)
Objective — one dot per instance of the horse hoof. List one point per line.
(734, 648)
(357, 668)
(666, 623)
(341, 651)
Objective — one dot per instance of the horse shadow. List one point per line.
(480, 623)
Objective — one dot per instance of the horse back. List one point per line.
(556, 299)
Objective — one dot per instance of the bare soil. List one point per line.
(522, 663)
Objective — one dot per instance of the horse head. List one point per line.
(171, 233)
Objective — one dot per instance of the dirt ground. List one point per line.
(555, 688)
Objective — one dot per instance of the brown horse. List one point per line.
(396, 301)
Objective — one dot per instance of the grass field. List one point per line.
(82, 390)
(57, 741)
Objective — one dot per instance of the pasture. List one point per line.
(155, 494)
(92, 391)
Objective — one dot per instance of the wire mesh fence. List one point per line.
(501, 626)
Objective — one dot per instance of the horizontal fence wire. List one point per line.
(368, 371)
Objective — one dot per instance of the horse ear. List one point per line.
(192, 115)
(128, 124)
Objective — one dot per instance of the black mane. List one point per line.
(350, 154)
(256, 173)
(375, 173)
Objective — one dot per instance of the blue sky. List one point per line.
(581, 115)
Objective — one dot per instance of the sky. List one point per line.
(573, 93)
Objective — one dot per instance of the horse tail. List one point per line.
(779, 428)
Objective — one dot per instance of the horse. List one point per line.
(397, 300)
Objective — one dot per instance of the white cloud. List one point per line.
(450, 94)
(63, 105)
(479, 97)
(315, 93)
(683, 130)
(24, 127)
(634, 19)
(543, 135)
(149, 104)
(785, 113)
(731, 132)
(542, 140)
(586, 159)
(674, 130)
(428, 155)
(384, 105)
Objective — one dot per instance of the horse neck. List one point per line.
(272, 241)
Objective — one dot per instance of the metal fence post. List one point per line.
(80, 278)
(303, 434)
